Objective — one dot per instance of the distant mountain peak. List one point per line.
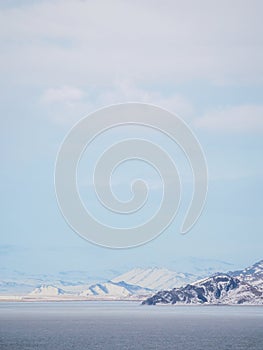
(155, 278)
(47, 290)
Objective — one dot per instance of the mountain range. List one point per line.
(238, 287)
(137, 283)
(153, 285)
(179, 272)
(108, 290)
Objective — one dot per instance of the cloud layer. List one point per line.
(75, 42)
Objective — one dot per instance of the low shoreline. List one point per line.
(27, 299)
(61, 299)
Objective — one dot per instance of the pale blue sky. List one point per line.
(61, 60)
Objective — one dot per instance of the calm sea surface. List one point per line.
(128, 325)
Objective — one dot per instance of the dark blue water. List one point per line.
(117, 325)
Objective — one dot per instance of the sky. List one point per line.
(61, 60)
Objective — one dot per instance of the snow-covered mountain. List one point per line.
(155, 278)
(47, 291)
(220, 289)
(240, 287)
(23, 287)
(180, 272)
(107, 290)
(115, 290)
(137, 283)
(252, 275)
(19, 283)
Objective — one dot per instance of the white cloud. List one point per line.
(73, 103)
(246, 118)
(80, 43)
(64, 94)
(125, 91)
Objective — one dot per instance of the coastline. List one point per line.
(64, 299)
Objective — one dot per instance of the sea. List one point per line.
(128, 325)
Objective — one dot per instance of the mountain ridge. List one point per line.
(237, 287)
(153, 285)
